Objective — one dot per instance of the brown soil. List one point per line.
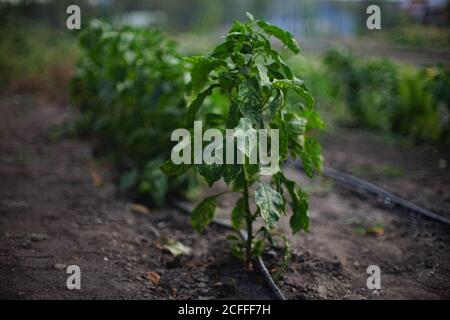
(349, 233)
(420, 174)
(58, 207)
(53, 214)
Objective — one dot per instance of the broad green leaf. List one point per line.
(311, 156)
(234, 115)
(231, 172)
(262, 73)
(203, 214)
(300, 214)
(237, 27)
(213, 120)
(195, 105)
(223, 50)
(269, 202)
(201, 70)
(287, 71)
(239, 182)
(296, 124)
(279, 63)
(299, 204)
(252, 171)
(258, 247)
(211, 172)
(313, 120)
(284, 36)
(238, 214)
(172, 169)
(275, 104)
(298, 86)
(249, 101)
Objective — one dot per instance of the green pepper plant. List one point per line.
(247, 71)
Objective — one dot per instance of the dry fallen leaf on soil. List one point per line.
(138, 208)
(36, 237)
(96, 178)
(60, 266)
(154, 277)
(176, 248)
(376, 231)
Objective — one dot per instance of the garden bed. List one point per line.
(60, 207)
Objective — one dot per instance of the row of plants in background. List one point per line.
(36, 59)
(129, 86)
(421, 36)
(255, 81)
(394, 99)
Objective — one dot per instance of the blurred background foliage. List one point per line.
(119, 85)
(129, 86)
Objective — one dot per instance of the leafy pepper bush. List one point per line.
(129, 86)
(395, 99)
(369, 88)
(251, 75)
(423, 110)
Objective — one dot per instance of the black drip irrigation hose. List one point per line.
(259, 261)
(388, 198)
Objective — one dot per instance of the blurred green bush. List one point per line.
(421, 36)
(36, 59)
(129, 85)
(368, 88)
(394, 99)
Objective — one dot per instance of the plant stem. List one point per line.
(249, 222)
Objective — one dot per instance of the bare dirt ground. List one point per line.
(52, 215)
(349, 233)
(58, 207)
(420, 174)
